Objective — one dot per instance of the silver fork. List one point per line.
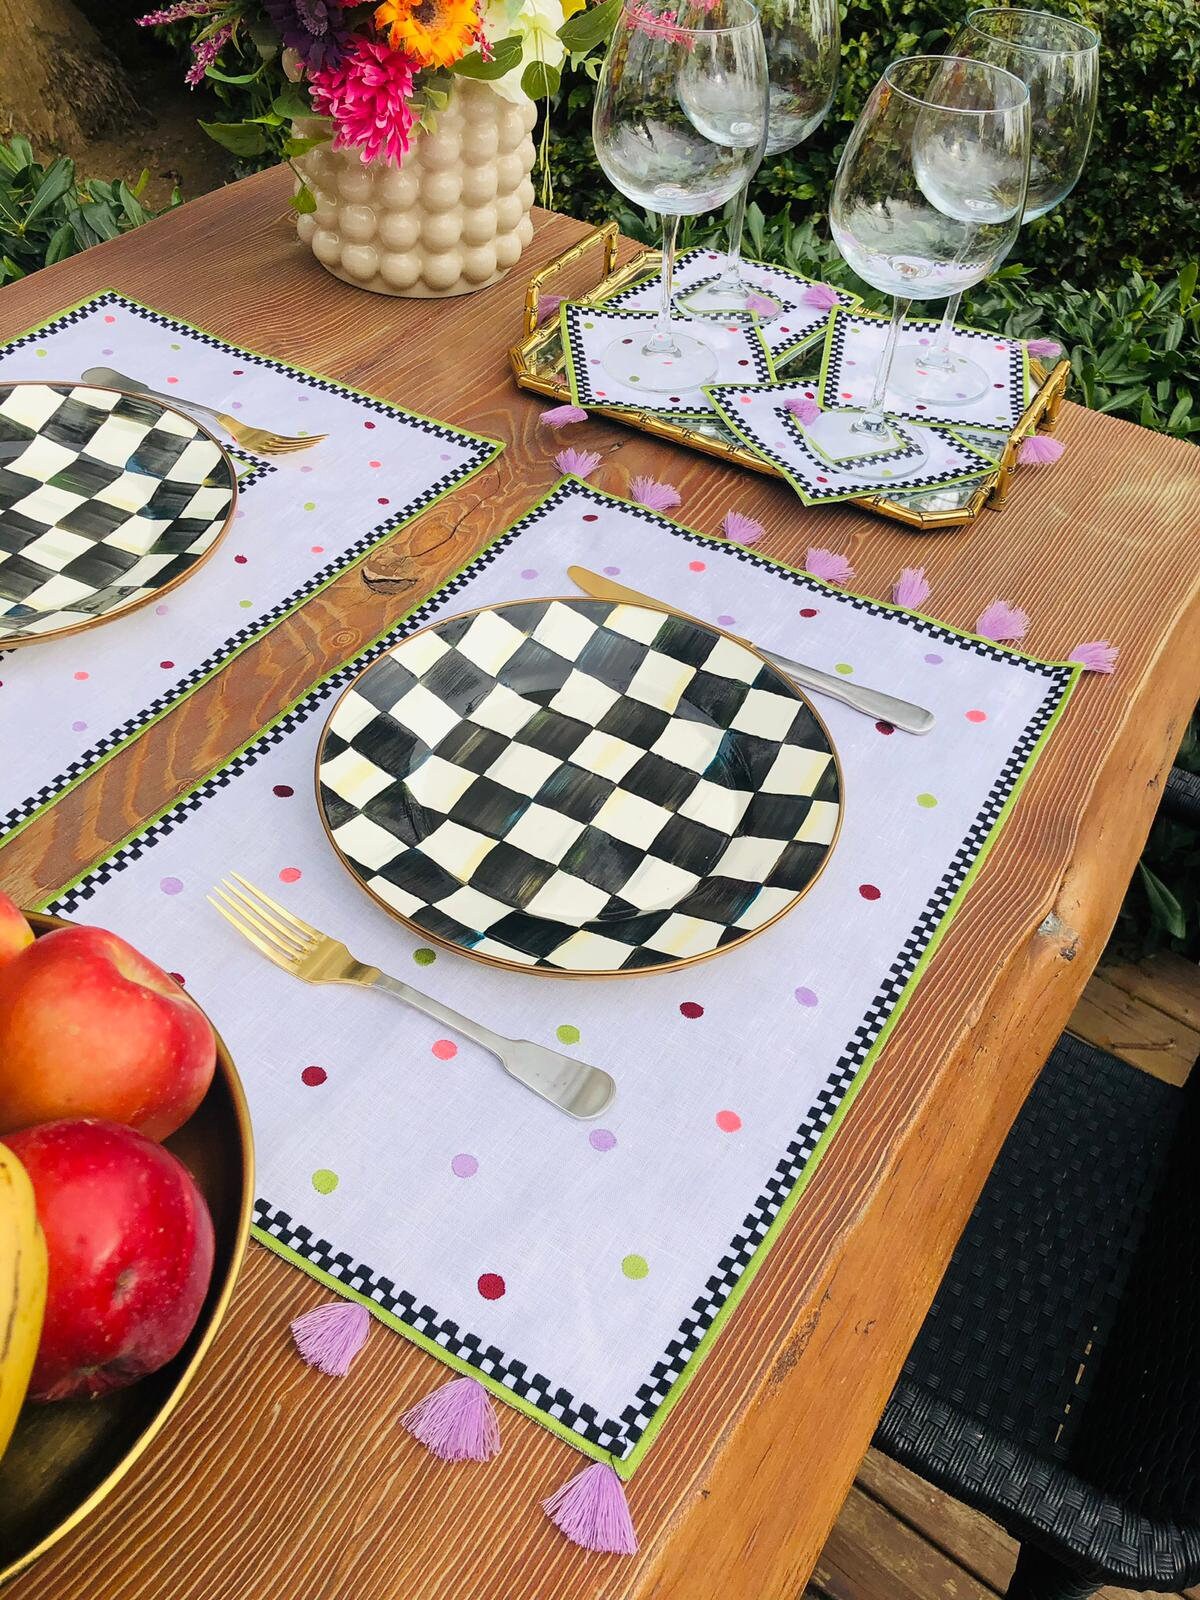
(260, 441)
(304, 951)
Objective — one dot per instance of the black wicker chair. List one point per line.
(1055, 1384)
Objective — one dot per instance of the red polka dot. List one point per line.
(166, 665)
(809, 394)
(178, 976)
(997, 386)
(847, 394)
(289, 874)
(172, 380)
(728, 1121)
(491, 1285)
(868, 891)
(920, 407)
(374, 463)
(809, 611)
(313, 1076)
(241, 560)
(238, 371)
(368, 424)
(383, 500)
(283, 790)
(445, 1049)
(822, 480)
(79, 676)
(696, 566)
(884, 727)
(691, 1008)
(976, 716)
(590, 516)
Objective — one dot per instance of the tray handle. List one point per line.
(608, 234)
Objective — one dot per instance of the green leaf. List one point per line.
(505, 56)
(292, 101)
(304, 200)
(1164, 907)
(60, 177)
(134, 211)
(301, 147)
(100, 218)
(239, 79)
(1187, 284)
(587, 29)
(62, 243)
(539, 81)
(23, 151)
(243, 138)
(1181, 409)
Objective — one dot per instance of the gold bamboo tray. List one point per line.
(64, 1459)
(537, 362)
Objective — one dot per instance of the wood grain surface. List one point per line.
(273, 1483)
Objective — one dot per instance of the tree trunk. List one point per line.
(59, 84)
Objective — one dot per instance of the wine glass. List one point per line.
(804, 44)
(1059, 61)
(928, 194)
(679, 122)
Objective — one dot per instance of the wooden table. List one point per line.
(272, 1483)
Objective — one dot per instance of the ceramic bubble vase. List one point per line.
(453, 218)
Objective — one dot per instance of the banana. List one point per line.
(22, 1288)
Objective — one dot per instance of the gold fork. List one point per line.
(305, 952)
(260, 441)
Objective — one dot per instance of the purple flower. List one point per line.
(311, 28)
(204, 52)
(1039, 450)
(657, 496)
(1001, 621)
(804, 410)
(1097, 655)
(562, 416)
(1050, 349)
(820, 296)
(179, 12)
(578, 463)
(828, 564)
(741, 529)
(910, 589)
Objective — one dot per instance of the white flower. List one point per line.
(536, 24)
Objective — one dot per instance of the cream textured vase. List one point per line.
(454, 217)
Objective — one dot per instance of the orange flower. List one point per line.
(435, 33)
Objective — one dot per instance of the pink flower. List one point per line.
(910, 589)
(1097, 655)
(741, 529)
(1001, 621)
(179, 12)
(657, 496)
(804, 410)
(828, 564)
(578, 463)
(205, 52)
(820, 296)
(1039, 450)
(562, 416)
(368, 97)
(1050, 349)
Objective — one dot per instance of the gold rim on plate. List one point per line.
(21, 641)
(555, 972)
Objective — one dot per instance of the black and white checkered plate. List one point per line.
(578, 787)
(106, 500)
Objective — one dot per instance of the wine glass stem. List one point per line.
(939, 356)
(872, 421)
(662, 340)
(732, 272)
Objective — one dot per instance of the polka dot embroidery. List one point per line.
(491, 1285)
(283, 791)
(464, 1166)
(728, 1121)
(934, 659)
(602, 1139)
(868, 891)
(976, 716)
(805, 997)
(289, 874)
(635, 1267)
(884, 727)
(567, 1033)
(313, 1076)
(324, 1181)
(696, 566)
(80, 677)
(444, 1049)
(691, 1009)
(171, 885)
(78, 727)
(844, 668)
(424, 957)
(809, 611)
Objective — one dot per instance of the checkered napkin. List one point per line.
(70, 703)
(577, 1268)
(795, 326)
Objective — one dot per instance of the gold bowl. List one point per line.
(65, 1458)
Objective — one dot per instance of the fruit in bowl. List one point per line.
(22, 1288)
(129, 1242)
(90, 1028)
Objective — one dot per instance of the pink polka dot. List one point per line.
(692, 1009)
(868, 891)
(161, 611)
(283, 790)
(110, 319)
(374, 463)
(313, 1076)
(602, 1139)
(805, 997)
(444, 1049)
(465, 1166)
(529, 572)
(318, 549)
(491, 1285)
(289, 874)
(172, 380)
(80, 676)
(166, 665)
(976, 716)
(78, 727)
(728, 1121)
(171, 885)
(696, 566)
(884, 727)
(809, 611)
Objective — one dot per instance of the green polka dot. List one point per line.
(589, 324)
(927, 800)
(245, 602)
(635, 1267)
(425, 957)
(324, 1181)
(176, 347)
(844, 668)
(40, 352)
(633, 378)
(310, 505)
(567, 1033)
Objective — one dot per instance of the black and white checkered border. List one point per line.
(874, 458)
(1014, 396)
(620, 1436)
(586, 395)
(259, 468)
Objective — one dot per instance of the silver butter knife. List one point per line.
(871, 702)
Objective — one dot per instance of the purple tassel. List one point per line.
(579, 463)
(910, 589)
(1044, 349)
(804, 410)
(741, 529)
(1097, 655)
(1001, 621)
(592, 1511)
(1039, 450)
(654, 495)
(563, 416)
(762, 305)
(331, 1336)
(820, 296)
(828, 564)
(548, 304)
(456, 1422)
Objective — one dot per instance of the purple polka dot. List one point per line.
(305, 469)
(237, 405)
(161, 611)
(445, 456)
(106, 352)
(602, 1139)
(171, 885)
(529, 572)
(934, 659)
(922, 341)
(726, 621)
(78, 727)
(805, 997)
(464, 1166)
(612, 572)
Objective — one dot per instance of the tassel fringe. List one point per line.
(1039, 450)
(330, 1337)
(456, 1422)
(592, 1511)
(911, 588)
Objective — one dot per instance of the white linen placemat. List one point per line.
(578, 1269)
(67, 705)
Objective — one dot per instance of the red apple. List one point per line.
(130, 1246)
(15, 932)
(90, 1028)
